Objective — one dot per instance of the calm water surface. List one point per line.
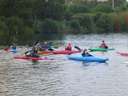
(63, 77)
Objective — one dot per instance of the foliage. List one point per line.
(50, 29)
(23, 21)
(102, 8)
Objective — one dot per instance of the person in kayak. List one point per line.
(69, 47)
(44, 46)
(49, 46)
(13, 46)
(103, 45)
(32, 53)
(37, 45)
(85, 53)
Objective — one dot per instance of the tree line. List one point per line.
(23, 21)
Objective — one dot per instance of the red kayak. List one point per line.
(59, 52)
(45, 52)
(122, 53)
(31, 58)
(65, 52)
(6, 49)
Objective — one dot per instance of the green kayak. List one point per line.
(101, 49)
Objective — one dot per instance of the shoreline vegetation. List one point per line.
(23, 22)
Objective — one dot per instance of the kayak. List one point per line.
(10, 50)
(79, 57)
(45, 52)
(122, 53)
(6, 49)
(101, 49)
(59, 52)
(13, 50)
(30, 58)
(65, 52)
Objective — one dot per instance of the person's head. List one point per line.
(69, 44)
(85, 50)
(103, 41)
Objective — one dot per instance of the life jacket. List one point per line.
(69, 47)
(103, 45)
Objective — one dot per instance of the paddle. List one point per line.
(78, 48)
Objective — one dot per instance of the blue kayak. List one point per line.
(13, 50)
(79, 57)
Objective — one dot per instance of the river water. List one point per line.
(63, 77)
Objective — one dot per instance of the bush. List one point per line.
(86, 21)
(102, 8)
(50, 29)
(3, 32)
(74, 27)
(103, 23)
(79, 8)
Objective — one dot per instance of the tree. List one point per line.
(102, 8)
(50, 29)
(117, 3)
(75, 27)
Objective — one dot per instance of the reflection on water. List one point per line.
(63, 77)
